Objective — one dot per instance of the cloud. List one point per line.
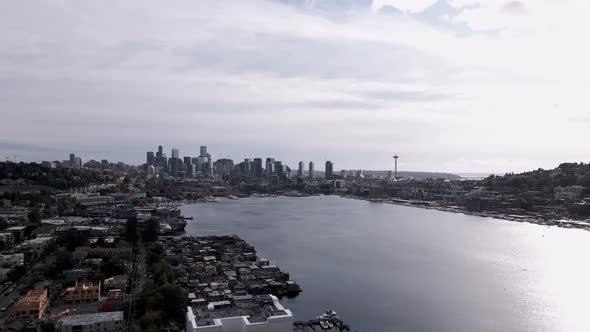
(514, 7)
(297, 79)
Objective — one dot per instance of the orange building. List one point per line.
(82, 293)
(32, 306)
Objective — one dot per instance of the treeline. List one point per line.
(59, 178)
(566, 174)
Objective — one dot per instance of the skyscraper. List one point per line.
(175, 153)
(270, 165)
(311, 170)
(160, 152)
(150, 158)
(329, 169)
(300, 169)
(72, 160)
(257, 167)
(203, 152)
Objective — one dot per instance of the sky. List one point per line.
(448, 85)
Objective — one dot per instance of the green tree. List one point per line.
(35, 215)
(63, 259)
(151, 230)
(131, 230)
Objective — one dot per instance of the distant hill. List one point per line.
(415, 175)
(418, 175)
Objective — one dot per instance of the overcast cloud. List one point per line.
(449, 85)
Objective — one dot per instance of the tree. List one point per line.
(151, 230)
(3, 224)
(131, 230)
(35, 215)
(63, 259)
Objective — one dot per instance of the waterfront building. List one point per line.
(329, 170)
(311, 173)
(300, 169)
(242, 314)
(278, 169)
(103, 322)
(32, 306)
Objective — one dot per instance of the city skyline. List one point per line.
(469, 86)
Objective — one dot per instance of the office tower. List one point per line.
(203, 151)
(257, 167)
(175, 153)
(395, 169)
(359, 174)
(72, 160)
(270, 163)
(300, 169)
(329, 170)
(160, 152)
(150, 158)
(224, 167)
(188, 161)
(278, 168)
(389, 174)
(311, 171)
(173, 164)
(246, 167)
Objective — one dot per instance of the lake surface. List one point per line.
(393, 268)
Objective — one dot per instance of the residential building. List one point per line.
(103, 322)
(300, 169)
(114, 301)
(82, 293)
(329, 170)
(32, 306)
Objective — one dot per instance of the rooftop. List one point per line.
(93, 318)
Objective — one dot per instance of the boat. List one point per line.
(324, 325)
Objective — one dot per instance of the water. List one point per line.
(392, 268)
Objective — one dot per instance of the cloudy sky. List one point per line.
(449, 85)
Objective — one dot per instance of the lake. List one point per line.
(385, 267)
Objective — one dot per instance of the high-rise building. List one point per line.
(175, 153)
(329, 170)
(343, 174)
(72, 160)
(278, 168)
(160, 152)
(188, 161)
(224, 167)
(203, 151)
(257, 167)
(77, 162)
(270, 165)
(173, 164)
(311, 170)
(300, 169)
(150, 158)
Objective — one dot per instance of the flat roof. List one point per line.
(92, 318)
